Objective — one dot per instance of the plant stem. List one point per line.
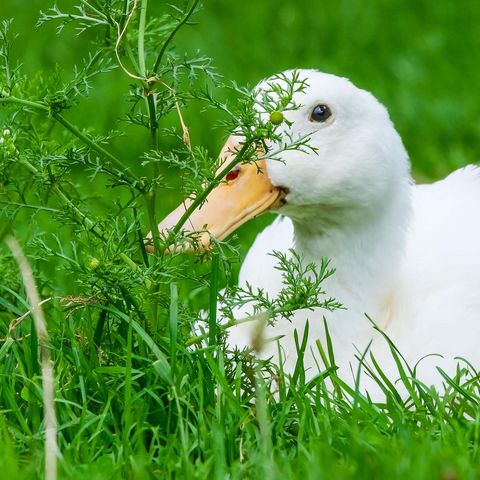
(212, 318)
(27, 103)
(130, 55)
(91, 7)
(97, 148)
(173, 323)
(173, 33)
(239, 157)
(75, 131)
(225, 326)
(127, 409)
(150, 198)
(141, 38)
(153, 125)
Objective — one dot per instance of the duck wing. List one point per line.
(438, 306)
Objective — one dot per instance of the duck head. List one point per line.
(354, 163)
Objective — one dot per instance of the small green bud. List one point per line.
(262, 133)
(93, 263)
(46, 291)
(276, 117)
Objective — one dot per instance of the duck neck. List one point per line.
(365, 249)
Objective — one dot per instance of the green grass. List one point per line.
(132, 400)
(130, 410)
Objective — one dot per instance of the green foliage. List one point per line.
(302, 289)
(146, 386)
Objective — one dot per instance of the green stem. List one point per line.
(141, 37)
(91, 7)
(212, 319)
(130, 55)
(263, 315)
(125, 13)
(6, 66)
(239, 157)
(152, 113)
(76, 132)
(127, 409)
(173, 321)
(225, 326)
(153, 127)
(94, 146)
(151, 199)
(182, 22)
(26, 103)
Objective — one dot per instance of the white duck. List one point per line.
(406, 255)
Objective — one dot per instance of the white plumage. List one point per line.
(406, 255)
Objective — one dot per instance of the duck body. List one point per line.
(417, 279)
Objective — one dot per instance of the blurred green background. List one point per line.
(420, 58)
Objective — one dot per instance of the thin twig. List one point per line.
(185, 131)
(182, 22)
(17, 321)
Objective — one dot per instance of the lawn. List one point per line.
(85, 173)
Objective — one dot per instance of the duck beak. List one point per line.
(246, 192)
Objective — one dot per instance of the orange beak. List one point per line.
(246, 193)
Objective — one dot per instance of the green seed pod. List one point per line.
(46, 291)
(262, 132)
(93, 263)
(276, 117)
(11, 149)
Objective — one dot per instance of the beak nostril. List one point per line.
(233, 174)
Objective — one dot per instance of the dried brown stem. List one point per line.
(46, 363)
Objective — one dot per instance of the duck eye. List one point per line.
(320, 113)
